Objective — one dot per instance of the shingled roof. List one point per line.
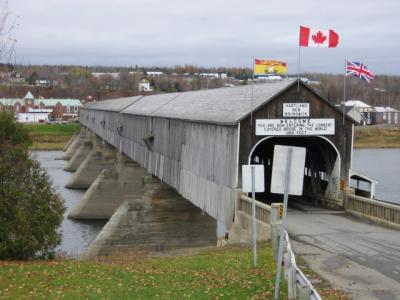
(223, 106)
(116, 105)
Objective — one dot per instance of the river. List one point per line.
(76, 235)
(380, 164)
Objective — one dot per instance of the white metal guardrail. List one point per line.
(299, 287)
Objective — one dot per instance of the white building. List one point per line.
(214, 75)
(361, 106)
(108, 74)
(33, 117)
(154, 73)
(144, 86)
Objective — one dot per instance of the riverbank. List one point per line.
(376, 137)
(55, 136)
(215, 273)
(51, 136)
(212, 274)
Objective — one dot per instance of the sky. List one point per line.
(206, 33)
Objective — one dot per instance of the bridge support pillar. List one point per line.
(160, 220)
(75, 144)
(123, 180)
(101, 157)
(80, 155)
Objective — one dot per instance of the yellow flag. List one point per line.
(269, 67)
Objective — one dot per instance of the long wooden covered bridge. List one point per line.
(196, 142)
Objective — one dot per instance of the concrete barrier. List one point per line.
(377, 211)
(242, 229)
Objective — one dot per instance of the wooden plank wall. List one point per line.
(318, 109)
(196, 159)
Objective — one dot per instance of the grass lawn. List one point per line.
(51, 137)
(212, 274)
(377, 137)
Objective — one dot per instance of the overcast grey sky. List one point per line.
(206, 32)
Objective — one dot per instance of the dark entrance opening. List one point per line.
(321, 157)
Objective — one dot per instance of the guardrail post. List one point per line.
(290, 274)
(275, 224)
(346, 193)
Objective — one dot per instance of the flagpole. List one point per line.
(252, 93)
(298, 74)
(344, 88)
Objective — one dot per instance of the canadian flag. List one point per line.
(310, 37)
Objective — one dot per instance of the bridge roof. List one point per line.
(226, 106)
(112, 105)
(223, 106)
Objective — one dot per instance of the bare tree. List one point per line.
(7, 34)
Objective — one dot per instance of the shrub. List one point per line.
(30, 210)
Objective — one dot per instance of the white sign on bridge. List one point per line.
(295, 127)
(295, 171)
(296, 109)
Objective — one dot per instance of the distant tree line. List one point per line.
(79, 82)
(383, 90)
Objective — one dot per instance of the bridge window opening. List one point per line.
(363, 186)
(319, 167)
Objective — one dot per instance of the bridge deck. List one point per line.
(354, 255)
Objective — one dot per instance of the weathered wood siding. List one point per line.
(93, 118)
(198, 160)
(318, 109)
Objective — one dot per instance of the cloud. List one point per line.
(208, 32)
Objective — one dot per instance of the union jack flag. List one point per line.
(357, 69)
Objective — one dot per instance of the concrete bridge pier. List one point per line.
(75, 144)
(70, 141)
(122, 181)
(160, 220)
(102, 156)
(81, 153)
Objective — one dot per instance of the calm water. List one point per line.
(76, 235)
(382, 165)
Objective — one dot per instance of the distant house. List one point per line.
(17, 78)
(113, 75)
(43, 83)
(214, 75)
(12, 105)
(33, 117)
(154, 73)
(58, 108)
(363, 108)
(144, 86)
(354, 113)
(385, 115)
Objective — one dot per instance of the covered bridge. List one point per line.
(197, 141)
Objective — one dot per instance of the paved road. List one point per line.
(354, 255)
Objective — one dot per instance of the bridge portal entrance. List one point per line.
(321, 172)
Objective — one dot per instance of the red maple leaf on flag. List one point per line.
(319, 38)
